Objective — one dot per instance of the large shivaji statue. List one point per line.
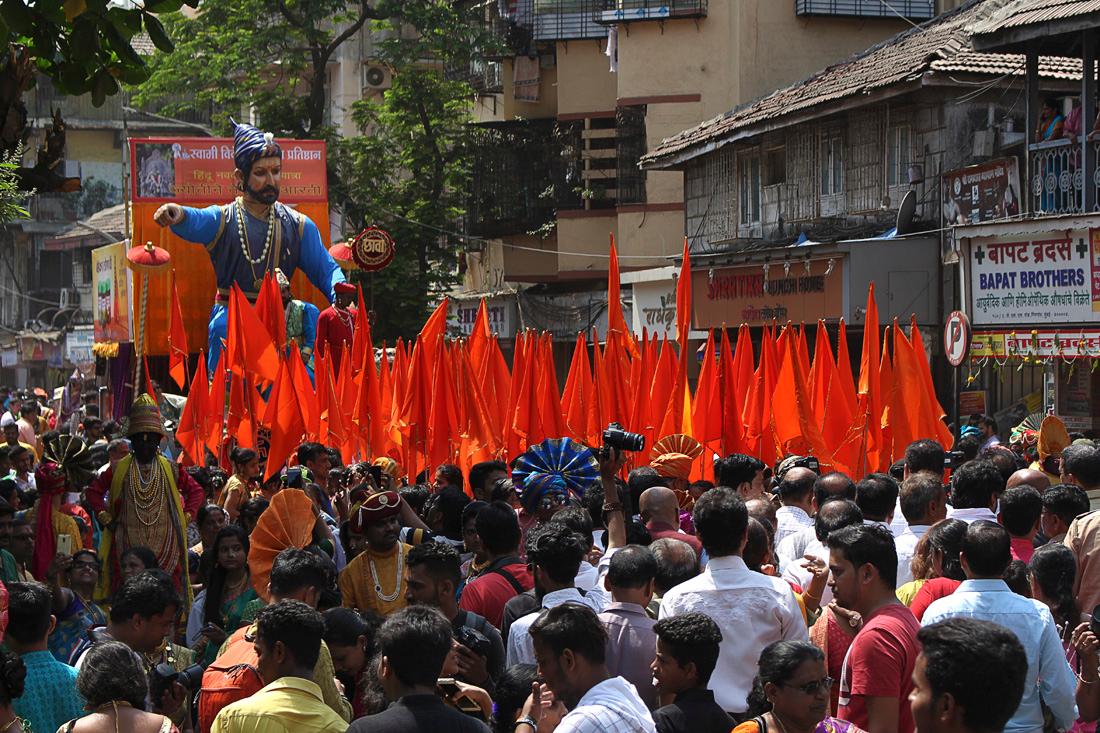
(145, 500)
(255, 235)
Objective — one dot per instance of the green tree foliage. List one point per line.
(270, 55)
(409, 170)
(11, 197)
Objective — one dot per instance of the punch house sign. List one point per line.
(731, 296)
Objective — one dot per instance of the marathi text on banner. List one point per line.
(1032, 281)
(200, 170)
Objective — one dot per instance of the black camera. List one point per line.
(953, 459)
(614, 436)
(164, 674)
(474, 640)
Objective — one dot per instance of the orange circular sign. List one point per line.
(373, 249)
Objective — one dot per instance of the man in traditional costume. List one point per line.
(301, 321)
(145, 500)
(255, 235)
(336, 325)
(375, 579)
(66, 465)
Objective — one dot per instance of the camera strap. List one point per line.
(510, 578)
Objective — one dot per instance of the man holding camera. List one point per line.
(432, 576)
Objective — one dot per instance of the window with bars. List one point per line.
(831, 159)
(748, 188)
(630, 146)
(911, 9)
(899, 153)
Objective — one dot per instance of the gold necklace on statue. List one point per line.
(246, 247)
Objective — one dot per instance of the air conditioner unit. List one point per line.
(68, 297)
(376, 77)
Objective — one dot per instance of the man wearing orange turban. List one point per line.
(671, 458)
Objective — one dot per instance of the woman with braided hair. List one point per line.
(12, 676)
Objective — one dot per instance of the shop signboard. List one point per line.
(1040, 343)
(501, 312)
(753, 295)
(1040, 280)
(78, 346)
(980, 193)
(111, 279)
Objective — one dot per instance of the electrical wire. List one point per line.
(894, 10)
(474, 238)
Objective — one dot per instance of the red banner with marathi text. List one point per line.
(198, 172)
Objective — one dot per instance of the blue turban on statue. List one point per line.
(251, 144)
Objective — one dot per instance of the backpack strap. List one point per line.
(759, 720)
(510, 578)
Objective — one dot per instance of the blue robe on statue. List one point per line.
(297, 244)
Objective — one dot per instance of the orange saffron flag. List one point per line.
(177, 340)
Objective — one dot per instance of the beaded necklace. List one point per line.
(246, 247)
(388, 597)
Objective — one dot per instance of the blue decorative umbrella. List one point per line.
(552, 472)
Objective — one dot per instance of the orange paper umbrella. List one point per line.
(144, 260)
(287, 522)
(342, 253)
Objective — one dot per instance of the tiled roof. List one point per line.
(941, 44)
(1029, 12)
(143, 44)
(111, 220)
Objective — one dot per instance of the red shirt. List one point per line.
(932, 590)
(1022, 548)
(335, 330)
(880, 664)
(486, 594)
(661, 530)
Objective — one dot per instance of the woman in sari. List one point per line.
(791, 693)
(218, 610)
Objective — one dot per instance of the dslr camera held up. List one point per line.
(164, 674)
(614, 436)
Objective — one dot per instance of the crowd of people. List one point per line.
(609, 593)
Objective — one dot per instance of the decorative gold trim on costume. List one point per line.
(221, 228)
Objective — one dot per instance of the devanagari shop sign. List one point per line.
(1053, 279)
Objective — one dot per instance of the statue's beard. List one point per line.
(266, 195)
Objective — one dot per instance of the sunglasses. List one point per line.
(812, 688)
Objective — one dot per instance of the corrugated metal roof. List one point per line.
(941, 45)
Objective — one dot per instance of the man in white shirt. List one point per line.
(836, 514)
(924, 502)
(757, 609)
(974, 491)
(554, 552)
(796, 494)
(834, 485)
(876, 496)
(985, 596)
(570, 647)
(988, 426)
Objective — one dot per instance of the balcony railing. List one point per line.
(485, 76)
(910, 9)
(1058, 179)
(629, 11)
(522, 173)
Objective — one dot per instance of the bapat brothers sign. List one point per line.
(1052, 279)
(736, 295)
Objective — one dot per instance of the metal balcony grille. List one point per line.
(631, 11)
(911, 9)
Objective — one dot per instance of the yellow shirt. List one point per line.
(908, 591)
(357, 583)
(287, 704)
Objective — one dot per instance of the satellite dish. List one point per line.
(906, 212)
